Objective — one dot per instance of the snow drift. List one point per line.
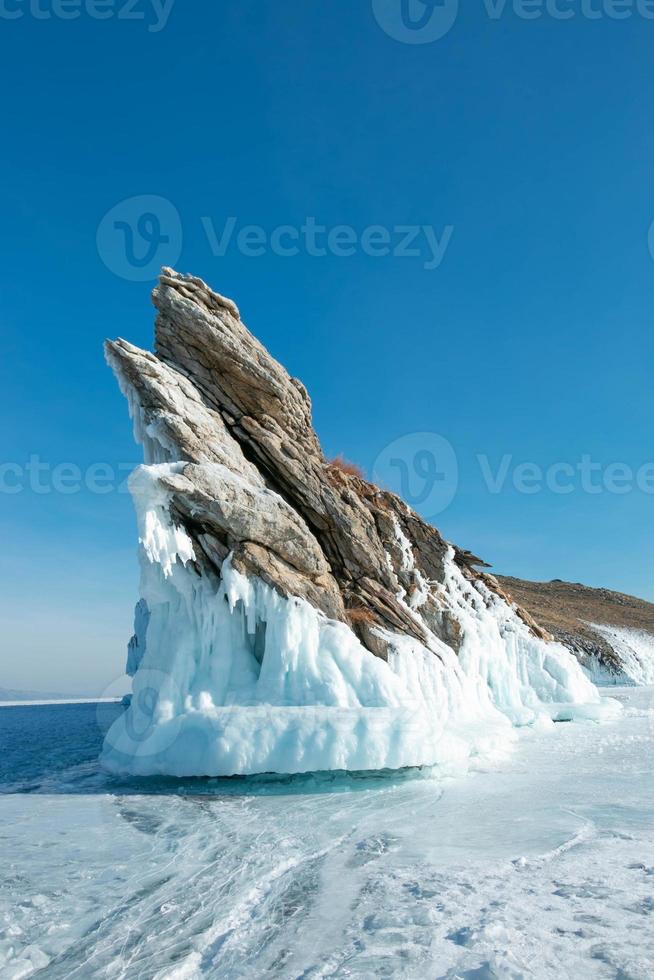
(294, 619)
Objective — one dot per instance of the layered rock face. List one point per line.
(263, 563)
(212, 394)
(610, 633)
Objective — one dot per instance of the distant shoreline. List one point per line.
(28, 704)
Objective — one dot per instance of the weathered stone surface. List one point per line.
(229, 506)
(321, 591)
(568, 611)
(257, 483)
(185, 426)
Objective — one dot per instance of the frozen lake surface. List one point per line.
(539, 866)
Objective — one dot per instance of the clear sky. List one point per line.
(518, 152)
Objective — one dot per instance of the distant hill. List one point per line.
(612, 634)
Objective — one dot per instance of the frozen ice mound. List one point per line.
(234, 678)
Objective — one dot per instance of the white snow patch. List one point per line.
(421, 590)
(162, 541)
(151, 436)
(635, 648)
(408, 558)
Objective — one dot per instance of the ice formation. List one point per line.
(635, 650)
(292, 619)
(236, 678)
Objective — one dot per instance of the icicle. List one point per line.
(234, 678)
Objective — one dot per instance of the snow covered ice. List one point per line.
(537, 865)
(232, 678)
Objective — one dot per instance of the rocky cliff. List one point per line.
(211, 394)
(611, 634)
(273, 578)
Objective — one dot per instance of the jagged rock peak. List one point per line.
(212, 394)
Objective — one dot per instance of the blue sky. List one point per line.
(530, 342)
